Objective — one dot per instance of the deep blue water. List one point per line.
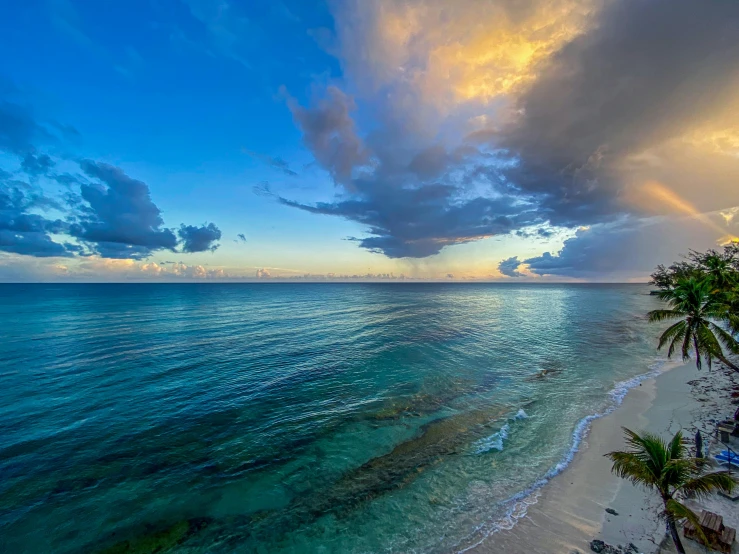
(297, 417)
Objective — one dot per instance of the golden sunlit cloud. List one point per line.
(728, 215)
(486, 50)
(656, 192)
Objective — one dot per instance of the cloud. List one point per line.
(241, 237)
(120, 220)
(420, 221)
(411, 207)
(487, 118)
(225, 29)
(598, 104)
(628, 247)
(274, 162)
(538, 232)
(19, 130)
(106, 269)
(263, 274)
(330, 134)
(199, 239)
(37, 164)
(16, 269)
(21, 230)
(509, 267)
(112, 215)
(729, 215)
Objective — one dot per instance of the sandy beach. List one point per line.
(571, 509)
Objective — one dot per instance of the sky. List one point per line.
(237, 140)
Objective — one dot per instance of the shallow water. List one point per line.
(296, 417)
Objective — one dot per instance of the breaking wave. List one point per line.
(516, 507)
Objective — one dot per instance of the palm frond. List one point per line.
(711, 482)
(679, 337)
(627, 465)
(671, 333)
(733, 320)
(663, 315)
(678, 511)
(650, 449)
(677, 471)
(676, 450)
(725, 337)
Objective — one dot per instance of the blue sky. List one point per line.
(465, 140)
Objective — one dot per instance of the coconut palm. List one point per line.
(668, 470)
(719, 268)
(698, 307)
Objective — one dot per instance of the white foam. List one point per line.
(517, 505)
(493, 442)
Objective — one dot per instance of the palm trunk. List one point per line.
(698, 353)
(728, 363)
(672, 526)
(675, 534)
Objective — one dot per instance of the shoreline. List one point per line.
(568, 511)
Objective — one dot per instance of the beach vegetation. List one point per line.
(702, 293)
(667, 469)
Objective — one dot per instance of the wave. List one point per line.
(495, 441)
(518, 504)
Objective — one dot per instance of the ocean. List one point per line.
(299, 418)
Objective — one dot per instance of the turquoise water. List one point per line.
(298, 418)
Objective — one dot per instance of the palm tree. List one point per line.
(719, 268)
(694, 302)
(667, 469)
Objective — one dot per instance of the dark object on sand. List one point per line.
(611, 511)
(698, 445)
(719, 536)
(605, 548)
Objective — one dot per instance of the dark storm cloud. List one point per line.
(649, 71)
(509, 267)
(275, 162)
(419, 222)
(633, 247)
(199, 239)
(645, 73)
(119, 219)
(24, 232)
(330, 134)
(409, 204)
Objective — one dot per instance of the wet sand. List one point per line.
(571, 509)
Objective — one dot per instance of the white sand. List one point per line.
(571, 509)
